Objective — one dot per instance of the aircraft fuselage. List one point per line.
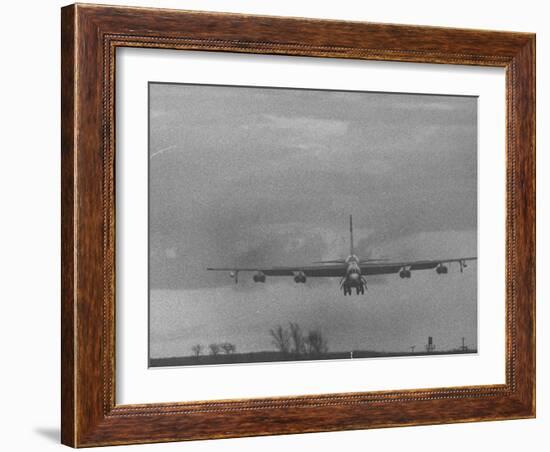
(353, 277)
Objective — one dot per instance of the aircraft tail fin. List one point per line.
(351, 236)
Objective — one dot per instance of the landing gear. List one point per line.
(359, 290)
(348, 289)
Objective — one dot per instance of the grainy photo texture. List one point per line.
(297, 224)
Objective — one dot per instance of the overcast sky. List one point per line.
(258, 176)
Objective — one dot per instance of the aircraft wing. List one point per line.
(368, 267)
(312, 271)
(388, 267)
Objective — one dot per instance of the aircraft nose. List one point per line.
(354, 276)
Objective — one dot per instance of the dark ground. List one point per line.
(269, 356)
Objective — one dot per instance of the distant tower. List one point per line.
(463, 347)
(430, 346)
(412, 347)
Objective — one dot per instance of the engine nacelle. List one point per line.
(300, 277)
(259, 277)
(405, 273)
(441, 269)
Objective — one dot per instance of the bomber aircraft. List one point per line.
(352, 270)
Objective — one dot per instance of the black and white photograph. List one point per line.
(298, 224)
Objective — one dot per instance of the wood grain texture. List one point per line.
(90, 36)
(67, 225)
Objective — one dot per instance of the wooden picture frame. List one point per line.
(90, 35)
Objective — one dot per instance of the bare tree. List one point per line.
(197, 350)
(214, 349)
(298, 340)
(228, 347)
(316, 343)
(281, 339)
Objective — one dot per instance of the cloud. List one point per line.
(307, 125)
(418, 103)
(171, 253)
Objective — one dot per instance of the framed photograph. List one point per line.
(281, 225)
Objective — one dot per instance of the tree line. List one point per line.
(214, 349)
(292, 341)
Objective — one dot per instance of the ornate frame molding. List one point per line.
(90, 37)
